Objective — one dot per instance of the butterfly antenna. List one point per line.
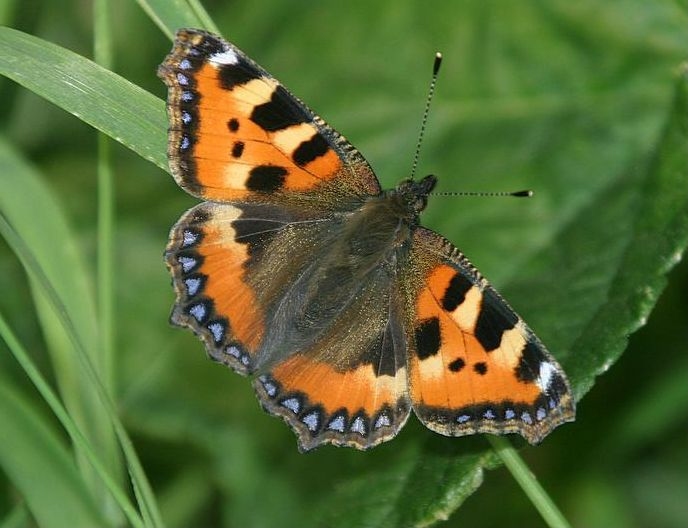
(518, 194)
(435, 70)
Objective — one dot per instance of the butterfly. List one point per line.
(297, 269)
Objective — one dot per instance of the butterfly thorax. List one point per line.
(384, 222)
(412, 195)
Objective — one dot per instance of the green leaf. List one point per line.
(39, 234)
(34, 213)
(426, 484)
(81, 445)
(655, 232)
(572, 100)
(99, 97)
(41, 467)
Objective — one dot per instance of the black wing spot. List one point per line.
(310, 150)
(494, 319)
(428, 338)
(231, 75)
(266, 178)
(480, 368)
(457, 365)
(456, 292)
(279, 113)
(233, 124)
(528, 368)
(238, 149)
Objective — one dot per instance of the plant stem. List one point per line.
(528, 482)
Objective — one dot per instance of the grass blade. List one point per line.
(79, 440)
(79, 86)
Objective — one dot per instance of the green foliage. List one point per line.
(584, 102)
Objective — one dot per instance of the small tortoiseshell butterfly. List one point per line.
(299, 269)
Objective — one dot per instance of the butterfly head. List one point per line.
(414, 193)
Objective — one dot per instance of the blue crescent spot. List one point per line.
(218, 331)
(382, 421)
(337, 424)
(293, 404)
(192, 286)
(312, 420)
(188, 263)
(198, 311)
(269, 387)
(358, 426)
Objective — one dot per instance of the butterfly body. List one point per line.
(298, 269)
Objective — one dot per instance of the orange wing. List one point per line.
(236, 134)
(474, 365)
(208, 255)
(360, 406)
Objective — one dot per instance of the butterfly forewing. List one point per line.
(236, 134)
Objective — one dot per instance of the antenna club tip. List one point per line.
(438, 62)
(526, 194)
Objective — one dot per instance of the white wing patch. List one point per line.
(224, 57)
(545, 375)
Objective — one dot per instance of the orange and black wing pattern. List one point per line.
(298, 270)
(236, 134)
(474, 365)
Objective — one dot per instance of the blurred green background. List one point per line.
(569, 99)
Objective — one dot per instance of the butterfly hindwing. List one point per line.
(210, 255)
(236, 134)
(360, 404)
(240, 269)
(264, 287)
(475, 367)
(344, 380)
